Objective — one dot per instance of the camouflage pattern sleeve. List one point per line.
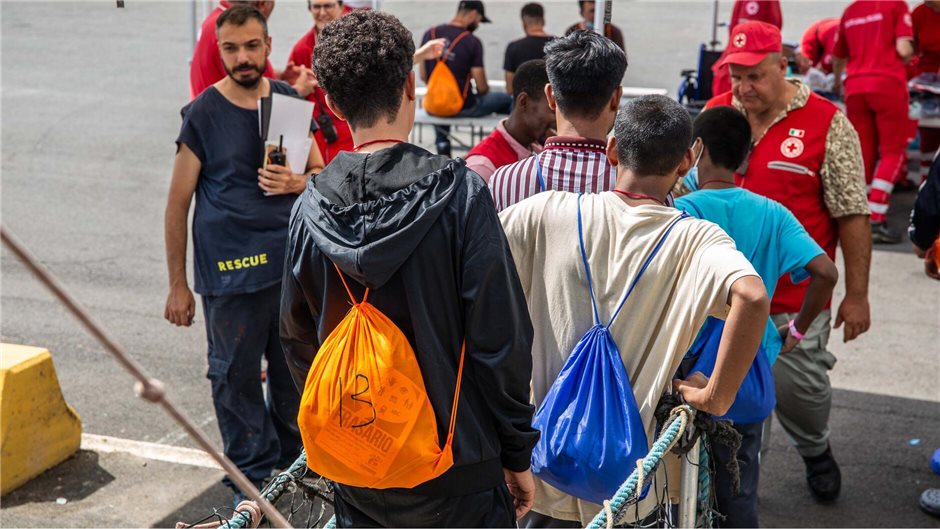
(843, 172)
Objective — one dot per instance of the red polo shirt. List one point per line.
(206, 67)
(302, 55)
(926, 23)
(868, 33)
(818, 41)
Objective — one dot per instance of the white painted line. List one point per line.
(152, 451)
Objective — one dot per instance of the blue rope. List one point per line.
(626, 491)
(629, 487)
(272, 492)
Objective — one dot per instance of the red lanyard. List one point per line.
(380, 140)
(639, 196)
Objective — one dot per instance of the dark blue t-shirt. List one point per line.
(467, 54)
(239, 234)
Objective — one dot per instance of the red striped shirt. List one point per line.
(573, 164)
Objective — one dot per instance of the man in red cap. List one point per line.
(874, 43)
(744, 11)
(805, 155)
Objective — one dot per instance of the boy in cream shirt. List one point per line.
(698, 272)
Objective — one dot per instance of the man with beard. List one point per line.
(206, 66)
(239, 231)
(521, 134)
(464, 57)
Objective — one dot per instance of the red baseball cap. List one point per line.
(751, 42)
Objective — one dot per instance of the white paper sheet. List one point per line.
(289, 117)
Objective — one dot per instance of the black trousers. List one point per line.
(739, 510)
(356, 507)
(259, 432)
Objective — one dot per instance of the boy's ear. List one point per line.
(550, 96)
(612, 155)
(687, 162)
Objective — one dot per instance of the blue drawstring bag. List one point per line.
(592, 433)
(756, 398)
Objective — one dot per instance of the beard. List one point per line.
(246, 82)
(472, 27)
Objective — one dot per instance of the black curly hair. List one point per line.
(362, 61)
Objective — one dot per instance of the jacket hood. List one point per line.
(368, 212)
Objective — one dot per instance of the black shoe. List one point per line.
(443, 149)
(823, 476)
(930, 502)
(880, 234)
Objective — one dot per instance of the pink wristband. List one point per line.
(796, 334)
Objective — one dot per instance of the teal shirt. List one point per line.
(765, 232)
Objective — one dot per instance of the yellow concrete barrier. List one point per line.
(38, 429)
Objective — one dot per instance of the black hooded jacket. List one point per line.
(420, 231)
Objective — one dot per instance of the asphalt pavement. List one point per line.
(90, 108)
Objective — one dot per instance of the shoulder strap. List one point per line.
(453, 44)
(351, 297)
(538, 174)
(587, 269)
(453, 410)
(646, 264)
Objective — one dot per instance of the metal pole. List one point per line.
(599, 12)
(376, 5)
(714, 42)
(688, 488)
(147, 387)
(193, 24)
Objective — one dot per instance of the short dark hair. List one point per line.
(584, 68)
(653, 134)
(726, 134)
(530, 78)
(362, 61)
(534, 11)
(239, 14)
(581, 4)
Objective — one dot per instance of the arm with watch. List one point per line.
(823, 276)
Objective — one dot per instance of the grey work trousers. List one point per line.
(804, 393)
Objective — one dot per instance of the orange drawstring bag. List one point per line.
(365, 417)
(444, 97)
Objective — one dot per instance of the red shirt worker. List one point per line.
(874, 41)
(334, 134)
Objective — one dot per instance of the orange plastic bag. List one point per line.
(444, 97)
(365, 418)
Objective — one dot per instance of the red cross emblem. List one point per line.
(752, 8)
(740, 40)
(791, 147)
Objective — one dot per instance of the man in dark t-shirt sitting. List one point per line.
(530, 47)
(612, 32)
(465, 60)
(239, 233)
